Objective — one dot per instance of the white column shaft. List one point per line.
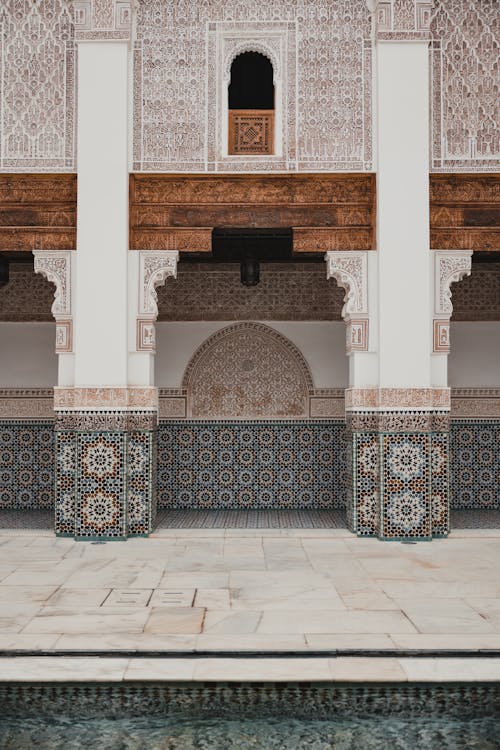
(100, 317)
(403, 243)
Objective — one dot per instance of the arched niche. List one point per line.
(247, 371)
(251, 104)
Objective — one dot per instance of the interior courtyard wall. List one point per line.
(322, 344)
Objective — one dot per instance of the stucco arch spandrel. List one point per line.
(247, 371)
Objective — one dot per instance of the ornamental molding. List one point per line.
(155, 267)
(269, 46)
(55, 266)
(120, 398)
(450, 267)
(350, 270)
(401, 20)
(397, 399)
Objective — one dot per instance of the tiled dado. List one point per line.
(251, 464)
(26, 464)
(105, 483)
(399, 484)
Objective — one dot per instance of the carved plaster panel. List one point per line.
(465, 114)
(401, 20)
(37, 86)
(350, 270)
(103, 19)
(155, 266)
(120, 398)
(56, 267)
(182, 54)
(388, 399)
(247, 371)
(450, 267)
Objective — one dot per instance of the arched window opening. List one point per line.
(251, 105)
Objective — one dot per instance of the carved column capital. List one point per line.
(55, 266)
(450, 266)
(155, 266)
(350, 270)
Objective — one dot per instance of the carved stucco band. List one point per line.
(155, 266)
(350, 270)
(450, 266)
(55, 266)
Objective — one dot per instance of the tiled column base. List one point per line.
(399, 481)
(105, 474)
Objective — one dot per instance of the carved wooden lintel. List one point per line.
(465, 211)
(326, 212)
(37, 211)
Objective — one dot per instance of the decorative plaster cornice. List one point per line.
(111, 399)
(155, 266)
(397, 399)
(55, 266)
(350, 269)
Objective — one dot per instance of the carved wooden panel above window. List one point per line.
(251, 131)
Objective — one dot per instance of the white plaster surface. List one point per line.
(474, 359)
(27, 355)
(100, 318)
(403, 214)
(321, 343)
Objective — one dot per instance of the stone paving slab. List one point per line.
(232, 590)
(342, 669)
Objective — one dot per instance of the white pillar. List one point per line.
(403, 215)
(100, 312)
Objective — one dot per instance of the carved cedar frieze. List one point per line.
(327, 212)
(37, 212)
(465, 211)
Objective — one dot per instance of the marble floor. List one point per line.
(251, 590)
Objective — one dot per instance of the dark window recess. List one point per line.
(251, 85)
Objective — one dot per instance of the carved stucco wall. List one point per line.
(321, 53)
(465, 60)
(324, 52)
(37, 86)
(247, 371)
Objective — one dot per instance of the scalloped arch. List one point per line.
(252, 46)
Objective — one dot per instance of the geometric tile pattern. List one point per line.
(26, 464)
(440, 484)
(475, 464)
(251, 519)
(105, 486)
(100, 485)
(405, 480)
(365, 502)
(251, 464)
(141, 482)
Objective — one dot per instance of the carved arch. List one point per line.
(247, 370)
(55, 266)
(350, 270)
(451, 266)
(251, 45)
(155, 266)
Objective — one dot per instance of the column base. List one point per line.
(399, 485)
(105, 475)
